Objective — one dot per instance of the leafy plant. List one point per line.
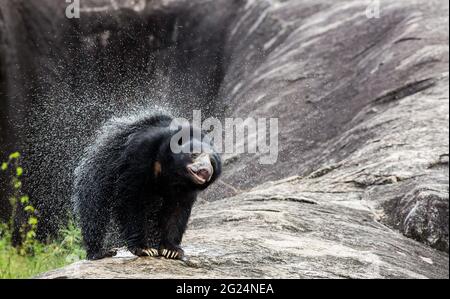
(19, 200)
(66, 249)
(32, 257)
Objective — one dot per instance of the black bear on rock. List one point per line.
(130, 173)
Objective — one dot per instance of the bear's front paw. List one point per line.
(174, 253)
(101, 254)
(152, 252)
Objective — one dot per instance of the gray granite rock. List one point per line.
(286, 229)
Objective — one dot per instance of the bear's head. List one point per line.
(195, 165)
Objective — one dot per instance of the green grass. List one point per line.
(32, 257)
(65, 250)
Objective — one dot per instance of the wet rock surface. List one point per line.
(363, 110)
(286, 229)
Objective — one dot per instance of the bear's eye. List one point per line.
(180, 141)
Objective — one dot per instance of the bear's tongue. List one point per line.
(203, 174)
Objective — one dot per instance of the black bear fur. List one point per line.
(130, 173)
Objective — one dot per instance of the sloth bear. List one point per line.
(131, 175)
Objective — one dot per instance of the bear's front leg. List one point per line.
(173, 221)
(131, 220)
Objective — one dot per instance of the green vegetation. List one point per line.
(31, 257)
(65, 250)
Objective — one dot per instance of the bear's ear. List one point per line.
(157, 169)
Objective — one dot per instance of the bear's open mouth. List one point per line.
(197, 178)
(201, 170)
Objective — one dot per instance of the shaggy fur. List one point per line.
(130, 173)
